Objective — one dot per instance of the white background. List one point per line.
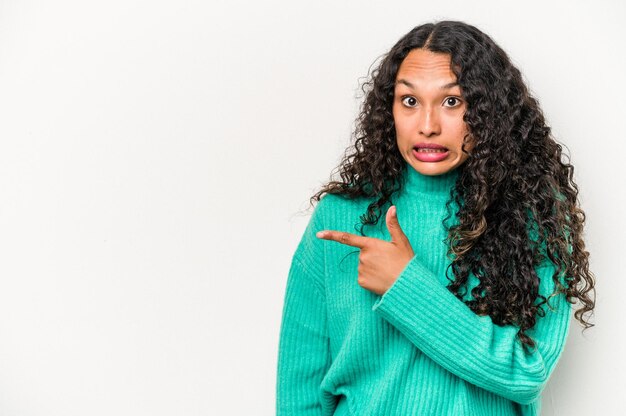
(156, 160)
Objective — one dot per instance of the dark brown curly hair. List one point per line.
(513, 177)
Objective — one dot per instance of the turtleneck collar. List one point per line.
(433, 186)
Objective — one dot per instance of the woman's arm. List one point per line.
(304, 350)
(471, 346)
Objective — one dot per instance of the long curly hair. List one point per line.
(513, 177)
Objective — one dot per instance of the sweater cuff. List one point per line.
(414, 279)
(425, 311)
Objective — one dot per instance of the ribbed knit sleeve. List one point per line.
(471, 346)
(304, 351)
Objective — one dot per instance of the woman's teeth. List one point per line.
(425, 150)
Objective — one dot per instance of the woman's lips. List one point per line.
(429, 146)
(430, 152)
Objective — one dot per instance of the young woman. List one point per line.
(458, 301)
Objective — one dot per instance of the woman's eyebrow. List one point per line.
(443, 87)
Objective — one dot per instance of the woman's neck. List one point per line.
(438, 186)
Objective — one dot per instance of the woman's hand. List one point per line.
(380, 261)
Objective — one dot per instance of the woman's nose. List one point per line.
(428, 123)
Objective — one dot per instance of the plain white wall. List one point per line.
(156, 158)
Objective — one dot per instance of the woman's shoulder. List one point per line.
(338, 212)
(332, 212)
(334, 208)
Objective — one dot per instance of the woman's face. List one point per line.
(428, 113)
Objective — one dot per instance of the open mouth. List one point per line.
(430, 150)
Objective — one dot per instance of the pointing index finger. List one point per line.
(343, 238)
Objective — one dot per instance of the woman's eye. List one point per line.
(409, 101)
(452, 101)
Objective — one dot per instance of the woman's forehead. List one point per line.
(427, 57)
(421, 63)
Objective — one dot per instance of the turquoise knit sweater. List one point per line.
(415, 350)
